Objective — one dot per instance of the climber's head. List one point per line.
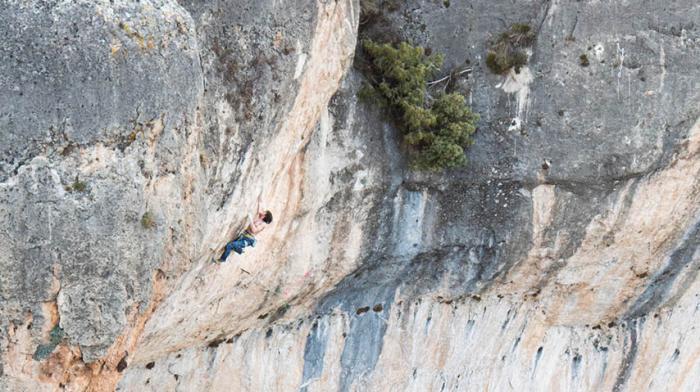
(267, 217)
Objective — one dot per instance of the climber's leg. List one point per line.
(237, 246)
(248, 241)
(233, 245)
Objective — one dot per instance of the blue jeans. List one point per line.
(237, 245)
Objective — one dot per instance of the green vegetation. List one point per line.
(76, 186)
(79, 186)
(148, 220)
(369, 9)
(436, 130)
(583, 60)
(373, 8)
(507, 52)
(44, 350)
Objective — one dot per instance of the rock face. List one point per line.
(136, 137)
(92, 142)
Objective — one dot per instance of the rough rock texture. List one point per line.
(564, 257)
(91, 142)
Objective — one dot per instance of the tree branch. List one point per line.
(448, 77)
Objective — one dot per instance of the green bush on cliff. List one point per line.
(148, 220)
(44, 350)
(506, 52)
(436, 130)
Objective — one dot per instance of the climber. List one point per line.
(247, 237)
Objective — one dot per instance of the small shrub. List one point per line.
(373, 10)
(583, 60)
(76, 186)
(148, 220)
(44, 350)
(500, 62)
(506, 52)
(79, 186)
(369, 9)
(392, 5)
(436, 131)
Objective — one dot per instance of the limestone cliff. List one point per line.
(137, 135)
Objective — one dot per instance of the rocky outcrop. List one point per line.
(139, 149)
(92, 142)
(563, 257)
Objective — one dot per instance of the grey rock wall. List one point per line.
(78, 73)
(96, 102)
(136, 137)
